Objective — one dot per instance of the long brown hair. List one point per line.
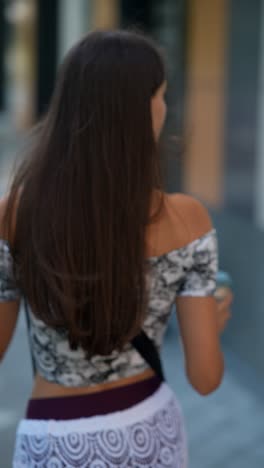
(85, 193)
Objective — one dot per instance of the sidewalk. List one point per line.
(225, 429)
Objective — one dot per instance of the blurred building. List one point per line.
(214, 59)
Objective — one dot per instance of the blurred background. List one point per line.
(215, 56)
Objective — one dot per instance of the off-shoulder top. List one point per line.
(187, 271)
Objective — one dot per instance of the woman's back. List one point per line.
(181, 260)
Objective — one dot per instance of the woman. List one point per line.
(100, 252)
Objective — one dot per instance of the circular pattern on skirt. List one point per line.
(167, 456)
(54, 462)
(113, 446)
(38, 448)
(143, 444)
(74, 448)
(21, 458)
(169, 424)
(98, 464)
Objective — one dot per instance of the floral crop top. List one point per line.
(188, 271)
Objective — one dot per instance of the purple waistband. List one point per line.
(92, 404)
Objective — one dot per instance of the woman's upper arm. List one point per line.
(195, 302)
(8, 319)
(9, 292)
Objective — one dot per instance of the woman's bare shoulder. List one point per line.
(190, 213)
(182, 220)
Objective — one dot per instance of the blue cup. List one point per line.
(223, 285)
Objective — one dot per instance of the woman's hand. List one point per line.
(224, 311)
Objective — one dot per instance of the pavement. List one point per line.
(225, 429)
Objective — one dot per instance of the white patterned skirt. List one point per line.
(148, 434)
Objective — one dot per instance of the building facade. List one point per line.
(214, 52)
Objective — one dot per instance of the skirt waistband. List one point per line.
(92, 404)
(117, 420)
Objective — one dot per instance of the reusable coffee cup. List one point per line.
(223, 285)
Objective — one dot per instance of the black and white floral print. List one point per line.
(8, 288)
(189, 271)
